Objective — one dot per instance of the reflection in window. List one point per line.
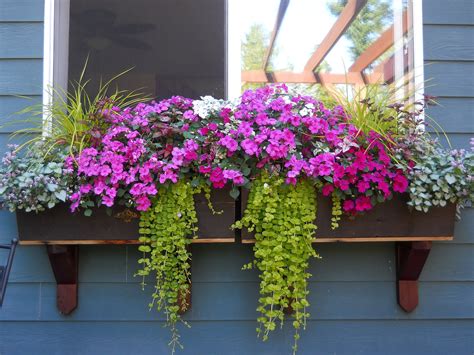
(177, 47)
(332, 43)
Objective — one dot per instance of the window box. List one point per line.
(60, 226)
(390, 221)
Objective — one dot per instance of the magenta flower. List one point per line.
(230, 143)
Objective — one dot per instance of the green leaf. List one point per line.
(88, 212)
(61, 195)
(450, 179)
(234, 193)
(52, 187)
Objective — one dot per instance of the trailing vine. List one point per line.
(336, 210)
(165, 229)
(282, 219)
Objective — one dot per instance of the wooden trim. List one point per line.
(260, 76)
(116, 241)
(410, 260)
(348, 14)
(65, 265)
(370, 239)
(378, 47)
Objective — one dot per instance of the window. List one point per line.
(174, 46)
(313, 45)
(219, 47)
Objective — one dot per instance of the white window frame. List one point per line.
(56, 49)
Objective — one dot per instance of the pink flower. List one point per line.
(217, 178)
(348, 205)
(327, 189)
(245, 129)
(143, 203)
(400, 183)
(203, 131)
(234, 175)
(363, 186)
(230, 143)
(205, 169)
(249, 146)
(363, 203)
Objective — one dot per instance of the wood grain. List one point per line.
(386, 222)
(59, 226)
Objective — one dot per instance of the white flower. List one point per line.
(304, 112)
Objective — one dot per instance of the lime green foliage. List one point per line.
(282, 219)
(165, 231)
(74, 118)
(336, 211)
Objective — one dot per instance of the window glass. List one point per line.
(177, 47)
(331, 43)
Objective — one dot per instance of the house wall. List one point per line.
(353, 300)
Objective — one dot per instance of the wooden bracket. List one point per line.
(64, 262)
(410, 259)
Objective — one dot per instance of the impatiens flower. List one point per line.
(245, 129)
(217, 178)
(400, 183)
(327, 189)
(143, 203)
(234, 175)
(348, 205)
(249, 146)
(362, 186)
(363, 203)
(230, 143)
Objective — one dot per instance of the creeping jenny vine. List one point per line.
(282, 219)
(165, 229)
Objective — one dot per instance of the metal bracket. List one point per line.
(64, 262)
(410, 259)
(5, 270)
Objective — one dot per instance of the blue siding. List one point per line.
(352, 289)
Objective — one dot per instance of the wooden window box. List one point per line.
(59, 226)
(391, 221)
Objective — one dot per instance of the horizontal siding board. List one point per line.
(21, 40)
(454, 115)
(449, 262)
(464, 229)
(22, 302)
(238, 301)
(237, 338)
(10, 120)
(456, 140)
(452, 12)
(21, 10)
(7, 139)
(448, 43)
(449, 79)
(21, 76)
(99, 264)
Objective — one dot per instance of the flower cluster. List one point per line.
(224, 143)
(231, 143)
